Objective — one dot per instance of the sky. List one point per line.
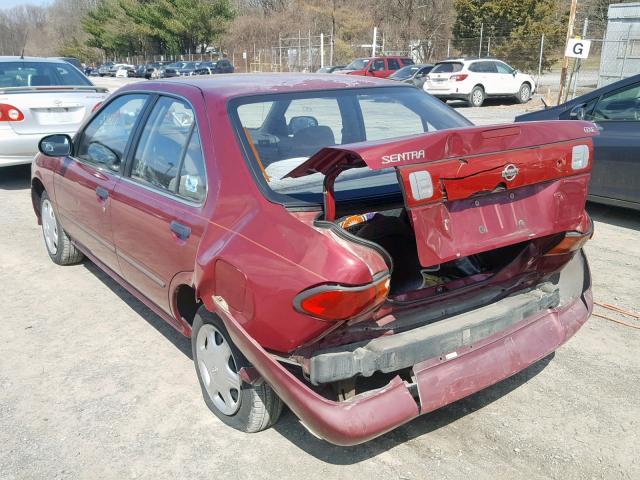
(13, 3)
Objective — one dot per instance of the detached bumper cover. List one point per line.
(439, 381)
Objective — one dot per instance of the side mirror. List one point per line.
(578, 112)
(514, 73)
(300, 123)
(58, 145)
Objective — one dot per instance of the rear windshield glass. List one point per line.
(447, 67)
(357, 64)
(281, 131)
(40, 74)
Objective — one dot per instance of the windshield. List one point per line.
(405, 72)
(40, 74)
(281, 131)
(447, 67)
(357, 64)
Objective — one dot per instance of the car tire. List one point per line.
(476, 97)
(524, 94)
(252, 408)
(58, 245)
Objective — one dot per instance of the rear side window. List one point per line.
(483, 67)
(40, 74)
(393, 64)
(192, 183)
(104, 140)
(447, 67)
(163, 143)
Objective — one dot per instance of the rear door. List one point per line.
(86, 180)
(616, 167)
(488, 73)
(157, 206)
(393, 65)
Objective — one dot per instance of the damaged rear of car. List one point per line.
(471, 237)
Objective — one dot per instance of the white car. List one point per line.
(38, 97)
(474, 80)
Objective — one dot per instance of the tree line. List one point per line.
(93, 30)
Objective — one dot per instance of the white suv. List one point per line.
(475, 80)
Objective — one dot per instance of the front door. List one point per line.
(157, 215)
(616, 163)
(87, 178)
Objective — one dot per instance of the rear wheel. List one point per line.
(476, 97)
(245, 407)
(524, 94)
(59, 246)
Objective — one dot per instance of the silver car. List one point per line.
(40, 96)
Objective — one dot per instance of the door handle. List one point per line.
(102, 193)
(181, 231)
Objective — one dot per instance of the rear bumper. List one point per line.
(18, 149)
(439, 380)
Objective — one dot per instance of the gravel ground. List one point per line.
(94, 385)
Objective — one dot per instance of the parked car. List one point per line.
(211, 68)
(139, 71)
(615, 108)
(154, 70)
(330, 68)
(362, 275)
(103, 70)
(475, 80)
(39, 96)
(172, 70)
(380, 67)
(413, 74)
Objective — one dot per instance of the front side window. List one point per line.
(104, 140)
(281, 131)
(163, 143)
(503, 68)
(622, 105)
(378, 65)
(357, 64)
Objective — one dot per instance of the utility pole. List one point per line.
(321, 49)
(375, 40)
(331, 47)
(481, 32)
(585, 25)
(565, 61)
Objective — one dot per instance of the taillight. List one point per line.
(9, 113)
(341, 302)
(96, 107)
(573, 241)
(459, 77)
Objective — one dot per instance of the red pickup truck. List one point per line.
(380, 67)
(349, 246)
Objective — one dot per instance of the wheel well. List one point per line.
(187, 303)
(36, 194)
(478, 85)
(527, 82)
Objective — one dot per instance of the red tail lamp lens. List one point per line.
(9, 113)
(340, 302)
(459, 77)
(96, 107)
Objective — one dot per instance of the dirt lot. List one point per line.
(94, 385)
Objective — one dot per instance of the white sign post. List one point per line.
(578, 48)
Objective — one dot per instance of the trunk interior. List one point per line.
(392, 230)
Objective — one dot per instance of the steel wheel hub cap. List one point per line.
(218, 369)
(477, 97)
(49, 227)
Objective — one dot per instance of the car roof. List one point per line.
(16, 58)
(246, 84)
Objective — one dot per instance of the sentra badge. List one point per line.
(403, 157)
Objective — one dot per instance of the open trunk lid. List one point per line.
(475, 189)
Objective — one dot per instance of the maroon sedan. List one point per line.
(353, 248)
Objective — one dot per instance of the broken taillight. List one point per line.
(573, 241)
(341, 302)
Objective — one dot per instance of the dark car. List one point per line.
(413, 74)
(362, 275)
(330, 68)
(139, 71)
(211, 68)
(615, 109)
(172, 70)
